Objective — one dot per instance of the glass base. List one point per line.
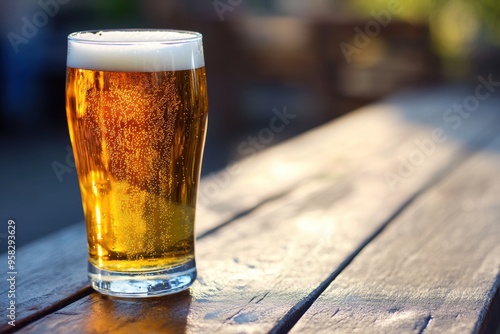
(143, 284)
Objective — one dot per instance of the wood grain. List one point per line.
(227, 195)
(435, 269)
(256, 269)
(337, 147)
(49, 271)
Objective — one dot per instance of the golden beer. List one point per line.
(138, 140)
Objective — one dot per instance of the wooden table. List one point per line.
(386, 220)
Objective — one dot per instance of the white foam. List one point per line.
(135, 51)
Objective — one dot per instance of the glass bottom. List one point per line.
(143, 284)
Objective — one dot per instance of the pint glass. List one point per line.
(136, 104)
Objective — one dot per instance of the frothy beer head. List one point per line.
(135, 51)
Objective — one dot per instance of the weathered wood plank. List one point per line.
(259, 267)
(49, 271)
(256, 180)
(339, 145)
(435, 269)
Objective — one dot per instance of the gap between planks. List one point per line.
(285, 324)
(271, 198)
(492, 320)
(23, 322)
(87, 290)
(236, 216)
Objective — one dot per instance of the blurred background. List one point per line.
(319, 59)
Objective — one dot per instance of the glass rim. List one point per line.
(190, 37)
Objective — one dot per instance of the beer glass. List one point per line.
(136, 105)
